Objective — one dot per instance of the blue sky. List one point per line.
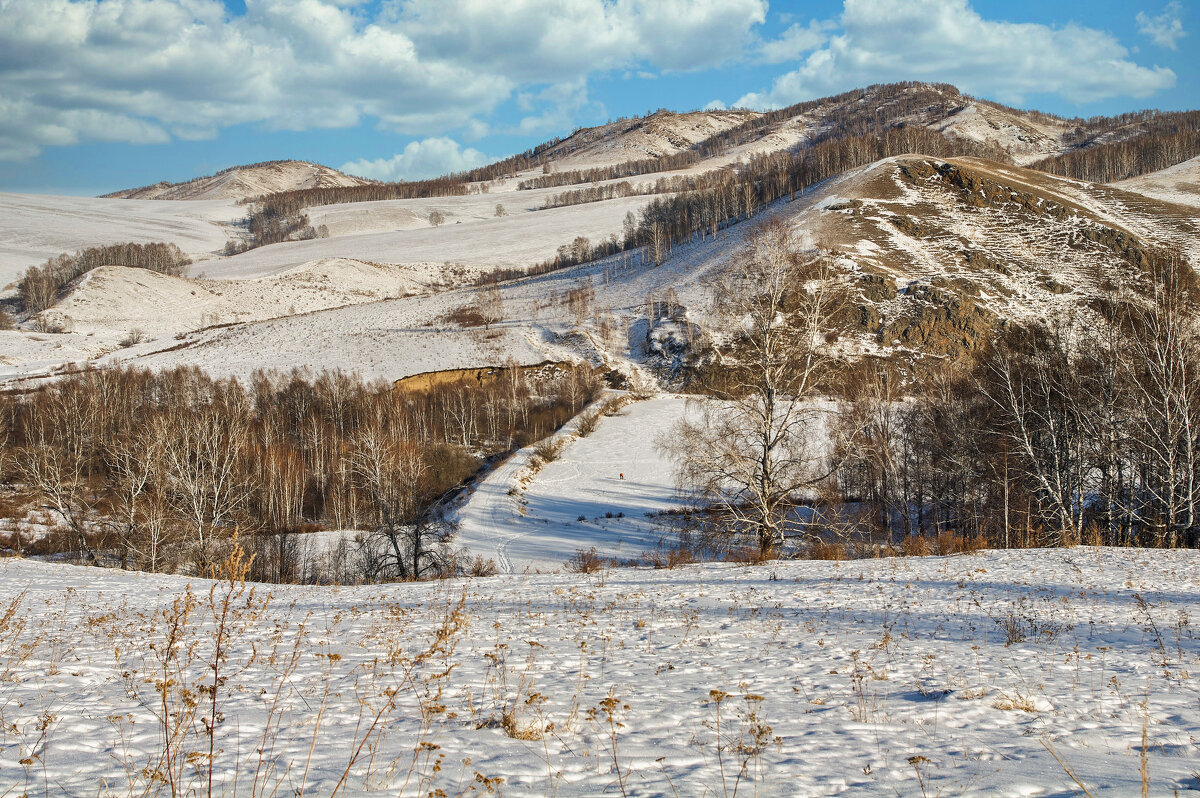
(98, 95)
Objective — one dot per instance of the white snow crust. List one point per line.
(875, 678)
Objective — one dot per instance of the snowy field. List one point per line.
(34, 227)
(998, 674)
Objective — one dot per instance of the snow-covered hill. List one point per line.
(244, 182)
(114, 297)
(1179, 184)
(660, 133)
(1043, 672)
(34, 227)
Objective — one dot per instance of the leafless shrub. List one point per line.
(586, 561)
(548, 450)
(587, 424)
(133, 337)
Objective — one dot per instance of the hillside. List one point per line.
(661, 133)
(944, 249)
(1179, 184)
(939, 250)
(34, 227)
(158, 305)
(244, 182)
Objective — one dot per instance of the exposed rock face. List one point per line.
(940, 320)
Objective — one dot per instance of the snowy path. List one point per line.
(539, 527)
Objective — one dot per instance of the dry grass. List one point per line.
(586, 561)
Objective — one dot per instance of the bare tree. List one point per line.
(60, 458)
(491, 305)
(753, 452)
(436, 218)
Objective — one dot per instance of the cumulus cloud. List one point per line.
(426, 158)
(1165, 29)
(146, 70)
(795, 41)
(531, 39)
(947, 40)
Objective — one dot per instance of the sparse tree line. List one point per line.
(1068, 430)
(1169, 139)
(643, 166)
(41, 285)
(280, 216)
(157, 471)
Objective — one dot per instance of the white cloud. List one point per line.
(947, 40)
(143, 70)
(529, 40)
(1166, 29)
(427, 158)
(795, 41)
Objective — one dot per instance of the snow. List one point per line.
(471, 235)
(1179, 184)
(1026, 140)
(528, 519)
(637, 139)
(936, 676)
(119, 297)
(35, 227)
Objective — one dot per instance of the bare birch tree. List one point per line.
(753, 452)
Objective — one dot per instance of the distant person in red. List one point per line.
(622, 475)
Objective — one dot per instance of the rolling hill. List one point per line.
(939, 249)
(245, 182)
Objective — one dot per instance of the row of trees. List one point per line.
(156, 471)
(1162, 141)
(280, 216)
(643, 166)
(40, 286)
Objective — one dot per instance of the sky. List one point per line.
(100, 95)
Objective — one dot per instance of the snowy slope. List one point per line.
(1179, 184)
(660, 133)
(118, 297)
(471, 236)
(245, 182)
(1026, 140)
(34, 227)
(962, 676)
(537, 526)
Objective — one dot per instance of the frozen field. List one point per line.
(997, 674)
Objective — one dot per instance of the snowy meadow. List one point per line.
(1033, 672)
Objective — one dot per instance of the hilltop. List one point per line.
(245, 182)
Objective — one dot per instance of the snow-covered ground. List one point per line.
(472, 235)
(1179, 184)
(34, 227)
(996, 674)
(615, 479)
